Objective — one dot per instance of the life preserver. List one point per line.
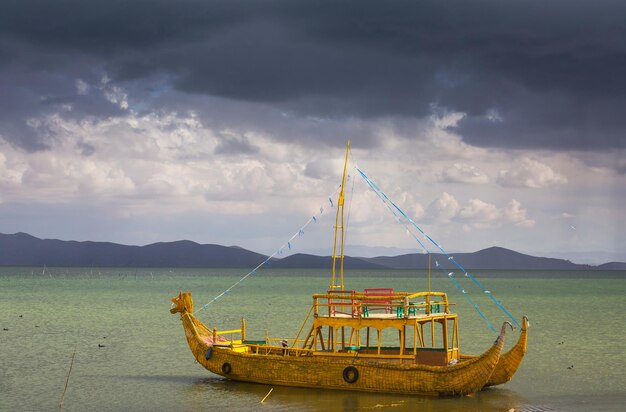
(226, 368)
(350, 374)
(208, 353)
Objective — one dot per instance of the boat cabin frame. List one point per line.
(357, 324)
(351, 323)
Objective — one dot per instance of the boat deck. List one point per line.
(380, 303)
(382, 316)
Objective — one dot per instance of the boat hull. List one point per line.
(335, 373)
(240, 363)
(305, 368)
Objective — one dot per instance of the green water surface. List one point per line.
(131, 353)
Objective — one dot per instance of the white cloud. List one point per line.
(530, 173)
(443, 208)
(464, 173)
(143, 162)
(418, 211)
(117, 96)
(323, 168)
(446, 142)
(514, 213)
(477, 213)
(11, 172)
(82, 88)
(146, 168)
(61, 175)
(446, 120)
(113, 93)
(494, 116)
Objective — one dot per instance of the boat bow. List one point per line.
(511, 360)
(199, 337)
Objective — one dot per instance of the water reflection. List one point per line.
(221, 392)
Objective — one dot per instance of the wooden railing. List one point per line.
(241, 332)
(403, 304)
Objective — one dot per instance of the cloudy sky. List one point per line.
(489, 122)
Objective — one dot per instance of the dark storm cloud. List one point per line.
(107, 28)
(528, 73)
(29, 95)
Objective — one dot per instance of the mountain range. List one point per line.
(21, 249)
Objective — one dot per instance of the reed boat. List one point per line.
(509, 361)
(344, 342)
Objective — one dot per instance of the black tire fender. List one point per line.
(226, 368)
(350, 374)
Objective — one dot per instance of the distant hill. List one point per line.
(22, 249)
(612, 266)
(301, 260)
(490, 258)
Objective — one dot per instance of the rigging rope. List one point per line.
(299, 232)
(347, 225)
(394, 208)
(425, 249)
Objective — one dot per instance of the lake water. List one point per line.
(131, 353)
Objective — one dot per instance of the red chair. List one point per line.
(378, 298)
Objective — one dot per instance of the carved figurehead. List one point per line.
(182, 303)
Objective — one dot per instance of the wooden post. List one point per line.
(343, 338)
(406, 307)
(321, 338)
(445, 338)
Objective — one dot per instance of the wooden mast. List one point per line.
(339, 231)
(428, 296)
